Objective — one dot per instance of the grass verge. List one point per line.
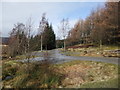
(105, 51)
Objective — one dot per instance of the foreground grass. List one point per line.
(81, 74)
(112, 83)
(73, 74)
(30, 75)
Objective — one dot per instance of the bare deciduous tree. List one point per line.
(41, 28)
(17, 40)
(64, 27)
(29, 25)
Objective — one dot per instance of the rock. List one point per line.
(8, 86)
(8, 77)
(60, 87)
(98, 53)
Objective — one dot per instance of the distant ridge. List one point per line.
(4, 40)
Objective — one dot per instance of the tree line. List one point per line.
(100, 27)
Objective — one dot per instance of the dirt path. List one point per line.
(57, 57)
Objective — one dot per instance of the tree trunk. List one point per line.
(41, 42)
(64, 45)
(46, 47)
(100, 44)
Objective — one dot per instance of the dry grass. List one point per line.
(105, 51)
(78, 73)
(31, 75)
(73, 74)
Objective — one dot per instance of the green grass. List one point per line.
(112, 83)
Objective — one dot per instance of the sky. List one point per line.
(14, 12)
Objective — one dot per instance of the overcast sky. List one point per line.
(13, 12)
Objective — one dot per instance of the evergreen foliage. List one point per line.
(49, 38)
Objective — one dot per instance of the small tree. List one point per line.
(64, 27)
(29, 25)
(41, 28)
(17, 41)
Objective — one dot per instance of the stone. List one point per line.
(8, 77)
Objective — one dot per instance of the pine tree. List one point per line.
(48, 38)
